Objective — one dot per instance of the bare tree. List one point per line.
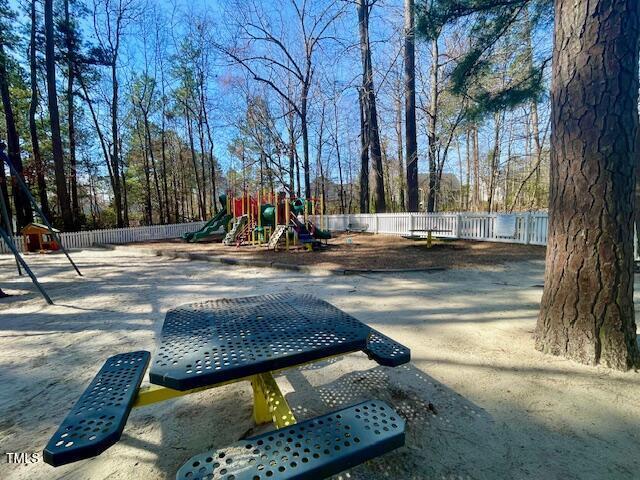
(274, 57)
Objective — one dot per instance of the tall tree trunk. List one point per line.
(401, 171)
(193, 160)
(476, 170)
(319, 160)
(468, 154)
(214, 193)
(371, 109)
(364, 155)
(54, 119)
(305, 142)
(292, 154)
(432, 119)
(494, 160)
(163, 153)
(147, 130)
(587, 311)
(411, 139)
(339, 159)
(20, 198)
(4, 191)
(38, 162)
(115, 153)
(537, 201)
(71, 58)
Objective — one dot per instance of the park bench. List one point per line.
(195, 355)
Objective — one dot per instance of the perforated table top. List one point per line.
(220, 340)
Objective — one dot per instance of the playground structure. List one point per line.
(269, 219)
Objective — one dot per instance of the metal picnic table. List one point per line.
(215, 343)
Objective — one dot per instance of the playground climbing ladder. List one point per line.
(276, 236)
(239, 223)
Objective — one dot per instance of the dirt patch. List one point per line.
(373, 252)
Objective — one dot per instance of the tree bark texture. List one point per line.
(371, 109)
(587, 311)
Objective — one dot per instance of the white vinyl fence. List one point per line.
(116, 235)
(526, 228)
(529, 228)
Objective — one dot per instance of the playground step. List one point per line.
(316, 448)
(96, 421)
(386, 351)
(276, 236)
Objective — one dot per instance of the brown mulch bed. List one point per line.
(366, 251)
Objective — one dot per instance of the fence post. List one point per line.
(412, 224)
(527, 218)
(375, 216)
(458, 225)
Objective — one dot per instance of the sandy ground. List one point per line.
(499, 409)
(368, 251)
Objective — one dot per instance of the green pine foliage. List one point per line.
(499, 35)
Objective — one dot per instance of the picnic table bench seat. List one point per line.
(312, 449)
(98, 418)
(386, 351)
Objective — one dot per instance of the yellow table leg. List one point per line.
(261, 413)
(269, 404)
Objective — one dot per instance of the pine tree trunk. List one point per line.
(587, 311)
(54, 119)
(75, 205)
(33, 127)
(21, 201)
(410, 106)
(371, 109)
(4, 191)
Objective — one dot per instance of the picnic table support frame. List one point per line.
(269, 404)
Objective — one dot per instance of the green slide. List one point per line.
(216, 226)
